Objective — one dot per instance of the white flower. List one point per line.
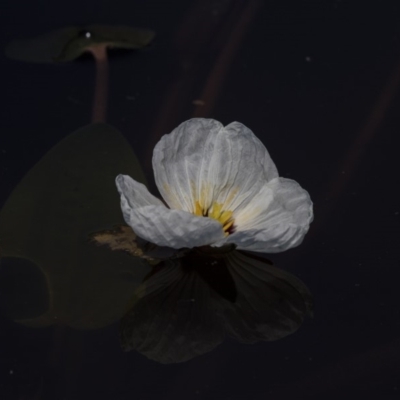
(221, 187)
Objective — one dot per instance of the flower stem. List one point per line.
(99, 109)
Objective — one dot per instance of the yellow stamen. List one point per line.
(216, 212)
(225, 217)
(198, 210)
(228, 225)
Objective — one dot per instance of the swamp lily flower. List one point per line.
(222, 188)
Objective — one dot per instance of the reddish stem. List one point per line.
(99, 110)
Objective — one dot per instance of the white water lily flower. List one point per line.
(222, 187)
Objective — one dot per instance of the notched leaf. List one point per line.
(46, 221)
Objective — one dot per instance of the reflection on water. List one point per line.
(173, 305)
(188, 305)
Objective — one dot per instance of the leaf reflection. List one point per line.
(182, 310)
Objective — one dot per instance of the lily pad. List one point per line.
(49, 217)
(69, 43)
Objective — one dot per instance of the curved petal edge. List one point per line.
(173, 228)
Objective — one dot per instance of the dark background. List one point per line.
(318, 83)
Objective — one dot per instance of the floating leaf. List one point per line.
(41, 49)
(69, 43)
(66, 197)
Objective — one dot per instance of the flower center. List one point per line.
(215, 211)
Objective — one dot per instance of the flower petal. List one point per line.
(173, 228)
(203, 161)
(245, 166)
(275, 220)
(134, 194)
(179, 156)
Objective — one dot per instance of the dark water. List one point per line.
(318, 83)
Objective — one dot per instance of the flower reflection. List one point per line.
(222, 188)
(187, 306)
